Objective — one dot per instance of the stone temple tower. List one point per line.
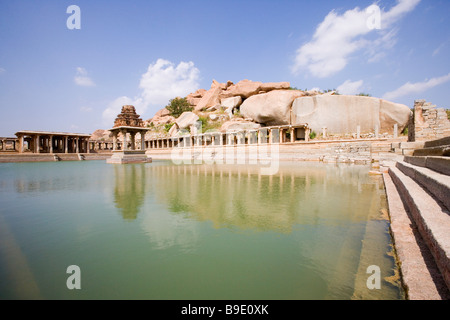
(128, 118)
(128, 124)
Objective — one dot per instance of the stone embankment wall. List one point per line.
(428, 122)
(351, 151)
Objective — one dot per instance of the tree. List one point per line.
(177, 106)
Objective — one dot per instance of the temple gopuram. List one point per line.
(128, 118)
(128, 123)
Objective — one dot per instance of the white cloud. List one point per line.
(414, 88)
(161, 82)
(85, 109)
(2, 70)
(164, 81)
(114, 108)
(438, 49)
(339, 36)
(349, 87)
(82, 79)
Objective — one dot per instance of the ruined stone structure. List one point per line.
(428, 122)
(128, 118)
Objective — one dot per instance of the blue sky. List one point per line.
(146, 52)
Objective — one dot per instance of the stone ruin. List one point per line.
(428, 122)
(128, 118)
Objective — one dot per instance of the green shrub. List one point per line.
(177, 106)
(167, 126)
(312, 135)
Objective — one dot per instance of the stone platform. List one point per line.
(129, 156)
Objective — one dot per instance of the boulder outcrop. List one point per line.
(161, 117)
(272, 108)
(343, 113)
(247, 88)
(186, 120)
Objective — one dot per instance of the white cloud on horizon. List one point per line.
(349, 87)
(161, 82)
(338, 36)
(81, 78)
(418, 87)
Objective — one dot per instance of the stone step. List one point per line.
(438, 164)
(420, 275)
(437, 143)
(438, 151)
(434, 182)
(430, 217)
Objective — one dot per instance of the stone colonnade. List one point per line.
(52, 142)
(128, 138)
(278, 134)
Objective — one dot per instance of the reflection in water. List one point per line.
(333, 213)
(238, 196)
(195, 231)
(129, 189)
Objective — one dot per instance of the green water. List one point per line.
(165, 231)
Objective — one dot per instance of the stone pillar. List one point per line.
(358, 132)
(143, 146)
(51, 143)
(37, 144)
(66, 144)
(114, 141)
(292, 134)
(132, 139)
(395, 130)
(88, 146)
(77, 145)
(124, 142)
(324, 132)
(307, 133)
(21, 143)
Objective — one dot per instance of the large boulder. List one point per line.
(194, 98)
(247, 88)
(211, 97)
(342, 114)
(272, 108)
(186, 120)
(101, 134)
(162, 116)
(232, 102)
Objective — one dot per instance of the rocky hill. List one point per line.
(252, 104)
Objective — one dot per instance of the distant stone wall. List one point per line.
(429, 122)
